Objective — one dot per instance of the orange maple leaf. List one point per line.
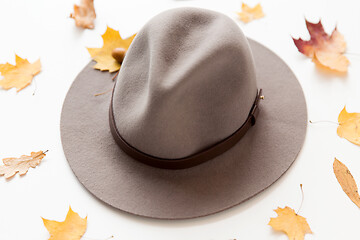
(294, 225)
(326, 50)
(248, 14)
(19, 75)
(103, 56)
(72, 228)
(349, 126)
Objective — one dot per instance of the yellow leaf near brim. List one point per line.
(287, 221)
(346, 181)
(349, 126)
(248, 14)
(71, 229)
(19, 75)
(112, 40)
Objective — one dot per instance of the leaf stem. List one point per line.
(352, 53)
(41, 154)
(302, 199)
(323, 121)
(115, 75)
(97, 239)
(34, 80)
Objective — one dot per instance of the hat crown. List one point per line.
(187, 82)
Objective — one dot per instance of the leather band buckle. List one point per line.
(254, 112)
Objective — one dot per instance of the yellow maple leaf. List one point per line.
(248, 14)
(346, 181)
(349, 126)
(84, 15)
(19, 75)
(21, 165)
(72, 228)
(287, 221)
(103, 57)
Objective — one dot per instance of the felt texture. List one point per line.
(187, 82)
(265, 152)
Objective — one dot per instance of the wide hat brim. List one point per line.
(261, 157)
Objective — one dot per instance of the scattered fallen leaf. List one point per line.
(287, 221)
(19, 75)
(72, 228)
(84, 15)
(248, 14)
(346, 181)
(349, 126)
(13, 165)
(324, 49)
(103, 56)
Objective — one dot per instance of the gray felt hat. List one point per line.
(185, 132)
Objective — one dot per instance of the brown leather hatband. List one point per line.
(194, 159)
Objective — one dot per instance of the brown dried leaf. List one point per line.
(347, 182)
(84, 15)
(13, 165)
(287, 221)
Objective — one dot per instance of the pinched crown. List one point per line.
(187, 82)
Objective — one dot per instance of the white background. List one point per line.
(42, 29)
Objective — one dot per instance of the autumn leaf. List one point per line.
(21, 165)
(72, 228)
(287, 221)
(324, 49)
(84, 15)
(19, 75)
(349, 126)
(103, 56)
(248, 14)
(347, 182)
